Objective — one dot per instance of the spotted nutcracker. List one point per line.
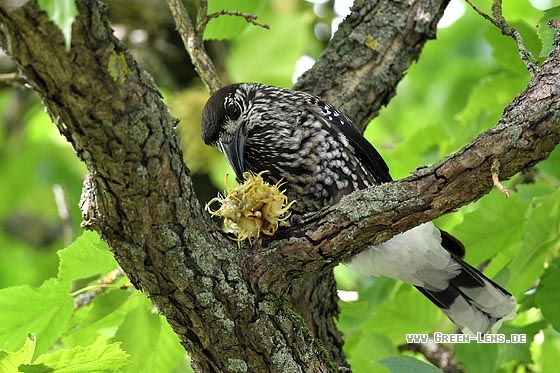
(320, 156)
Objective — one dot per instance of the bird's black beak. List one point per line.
(235, 153)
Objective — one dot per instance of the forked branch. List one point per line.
(498, 20)
(193, 37)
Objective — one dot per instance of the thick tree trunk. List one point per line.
(227, 304)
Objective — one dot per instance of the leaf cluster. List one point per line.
(77, 323)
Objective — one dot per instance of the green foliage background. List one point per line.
(458, 88)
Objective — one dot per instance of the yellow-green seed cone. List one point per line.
(252, 208)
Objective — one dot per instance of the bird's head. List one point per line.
(224, 125)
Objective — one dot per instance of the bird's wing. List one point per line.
(370, 157)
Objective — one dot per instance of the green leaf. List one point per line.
(551, 166)
(408, 312)
(421, 148)
(169, 351)
(505, 51)
(514, 10)
(540, 241)
(530, 191)
(489, 357)
(275, 62)
(228, 26)
(530, 37)
(158, 350)
(379, 290)
(407, 364)
(117, 316)
(102, 317)
(519, 351)
(493, 224)
(545, 32)
(44, 310)
(10, 361)
(101, 359)
(353, 317)
(548, 294)
(480, 112)
(363, 352)
(550, 351)
(87, 256)
(62, 13)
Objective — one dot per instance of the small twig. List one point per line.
(193, 37)
(63, 213)
(192, 40)
(250, 18)
(85, 295)
(500, 22)
(13, 80)
(202, 17)
(495, 169)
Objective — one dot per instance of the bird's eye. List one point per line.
(233, 111)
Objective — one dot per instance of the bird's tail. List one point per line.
(431, 260)
(472, 301)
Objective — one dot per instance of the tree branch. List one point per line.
(500, 22)
(12, 80)
(250, 18)
(526, 134)
(360, 68)
(192, 39)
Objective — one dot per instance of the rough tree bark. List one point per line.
(227, 304)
